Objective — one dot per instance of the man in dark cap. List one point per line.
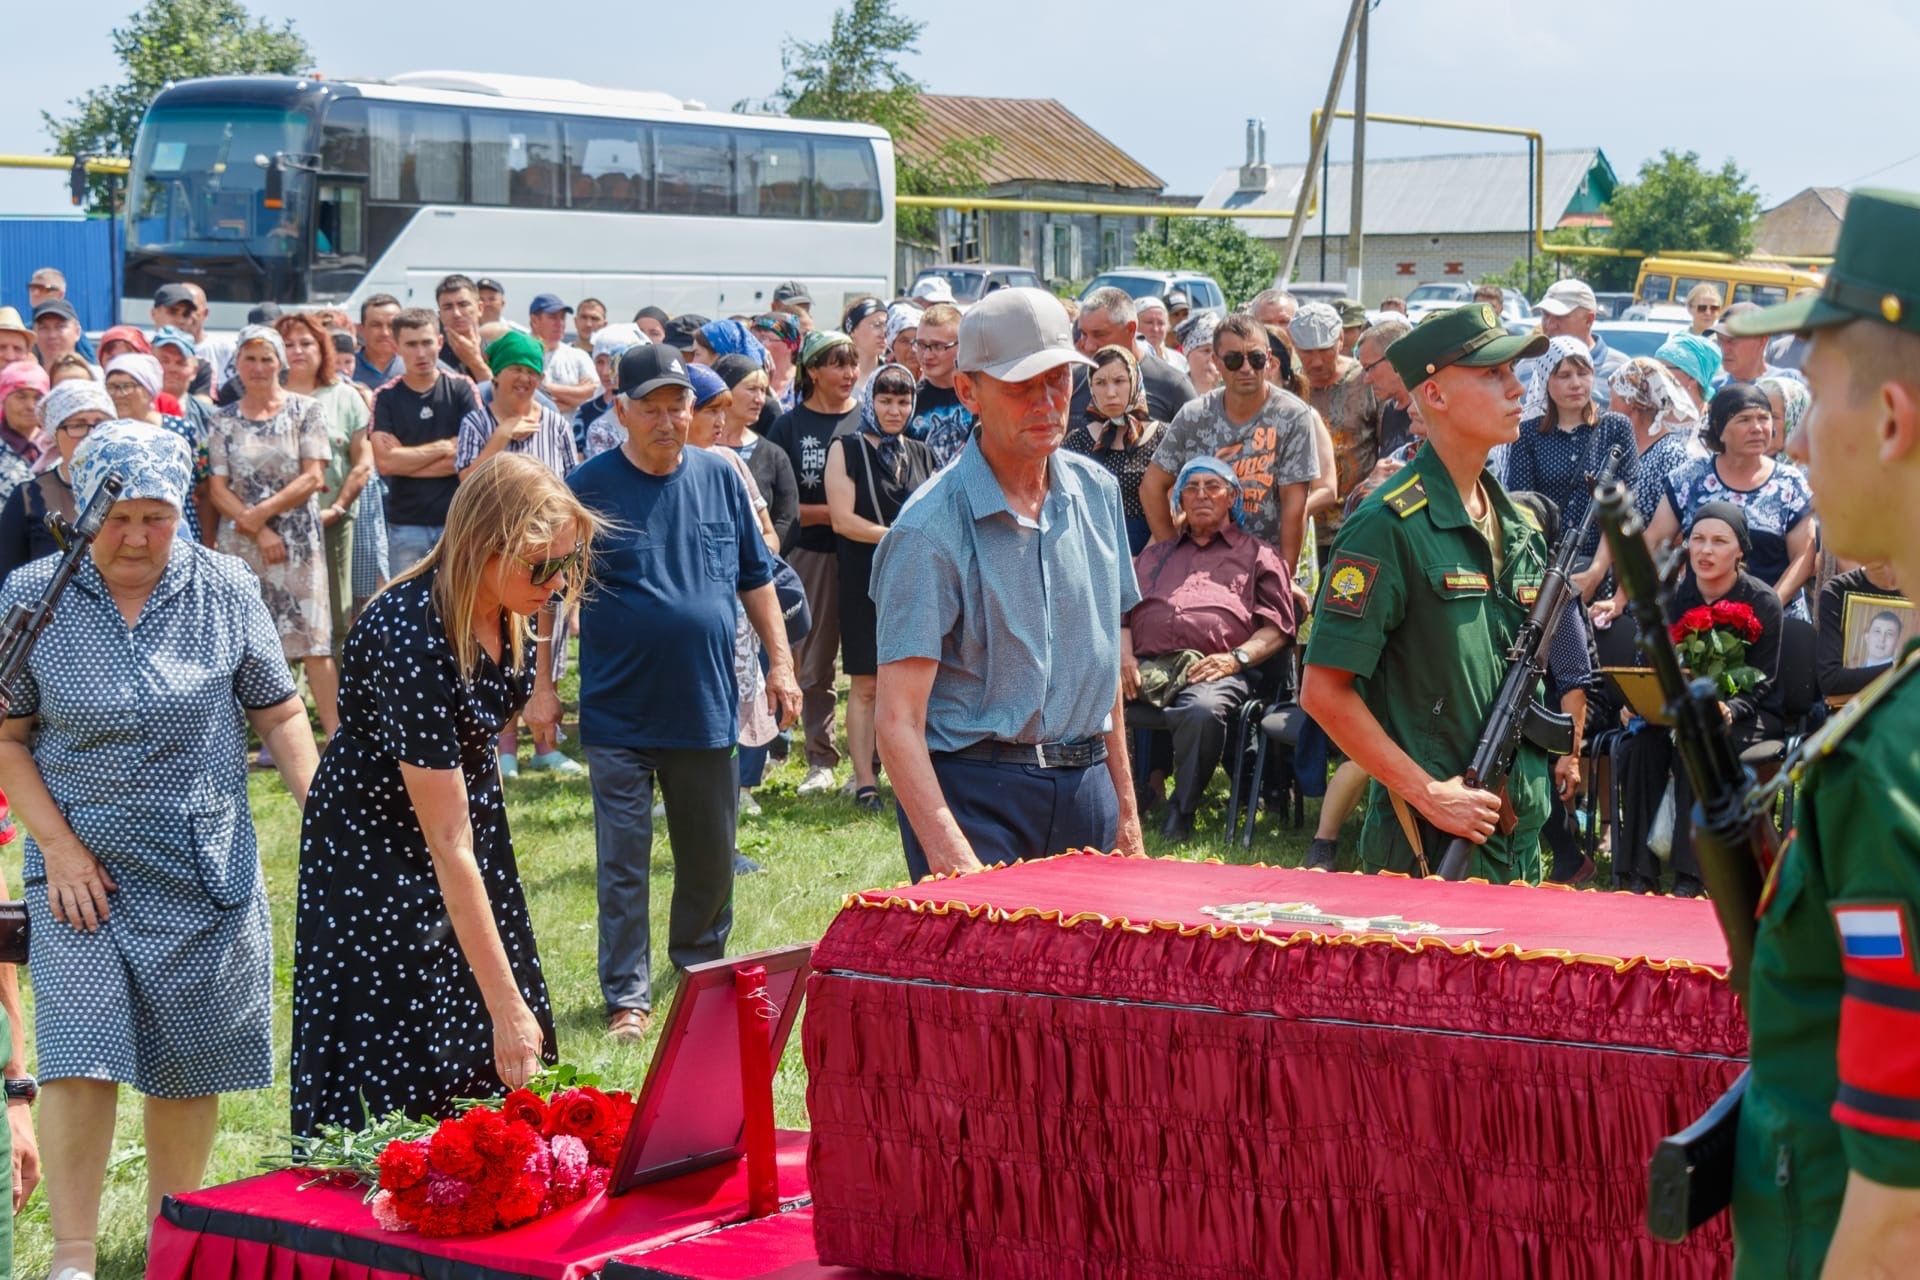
(1827, 1164)
(1425, 588)
(792, 297)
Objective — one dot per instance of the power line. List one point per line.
(1882, 169)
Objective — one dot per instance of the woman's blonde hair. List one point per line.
(506, 506)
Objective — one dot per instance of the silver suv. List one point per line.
(1140, 282)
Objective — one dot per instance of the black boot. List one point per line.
(1178, 827)
(1321, 855)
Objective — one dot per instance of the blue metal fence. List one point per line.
(86, 249)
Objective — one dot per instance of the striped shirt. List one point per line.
(551, 443)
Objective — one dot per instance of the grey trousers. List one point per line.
(701, 798)
(814, 656)
(1197, 718)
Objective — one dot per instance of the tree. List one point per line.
(171, 40)
(1674, 204)
(1532, 279)
(1238, 263)
(855, 74)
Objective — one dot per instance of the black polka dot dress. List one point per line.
(385, 1006)
(141, 738)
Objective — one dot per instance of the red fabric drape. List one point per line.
(1009, 1076)
(268, 1228)
(775, 1248)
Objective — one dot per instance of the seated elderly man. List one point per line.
(1214, 602)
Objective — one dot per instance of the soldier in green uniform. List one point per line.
(1827, 1170)
(1425, 588)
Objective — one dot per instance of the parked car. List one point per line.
(972, 281)
(1140, 282)
(1613, 304)
(1314, 290)
(1633, 338)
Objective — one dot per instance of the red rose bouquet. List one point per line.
(1712, 641)
(491, 1166)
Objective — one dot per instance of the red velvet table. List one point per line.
(776, 1248)
(1068, 1068)
(268, 1228)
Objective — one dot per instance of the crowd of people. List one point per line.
(1054, 549)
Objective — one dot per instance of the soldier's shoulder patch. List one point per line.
(1350, 579)
(1406, 497)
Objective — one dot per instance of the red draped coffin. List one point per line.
(1068, 1068)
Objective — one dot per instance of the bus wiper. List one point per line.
(253, 259)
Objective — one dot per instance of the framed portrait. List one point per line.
(1874, 629)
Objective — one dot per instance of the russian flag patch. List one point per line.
(1873, 933)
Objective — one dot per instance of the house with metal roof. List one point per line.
(1427, 218)
(1042, 151)
(1806, 224)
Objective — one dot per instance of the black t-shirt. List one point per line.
(416, 419)
(805, 434)
(940, 422)
(1396, 427)
(1167, 390)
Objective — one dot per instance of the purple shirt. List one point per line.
(1209, 599)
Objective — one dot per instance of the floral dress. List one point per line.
(1773, 510)
(259, 459)
(385, 1006)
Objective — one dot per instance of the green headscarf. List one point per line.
(818, 344)
(514, 347)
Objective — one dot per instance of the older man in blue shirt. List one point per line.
(999, 592)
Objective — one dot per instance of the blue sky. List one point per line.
(1799, 95)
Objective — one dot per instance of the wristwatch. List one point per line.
(22, 1089)
(1240, 656)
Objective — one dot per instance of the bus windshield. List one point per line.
(198, 190)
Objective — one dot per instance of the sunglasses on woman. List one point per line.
(1234, 359)
(541, 572)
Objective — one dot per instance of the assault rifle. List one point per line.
(1515, 715)
(18, 630)
(1690, 1178)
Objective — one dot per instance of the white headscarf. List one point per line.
(1561, 348)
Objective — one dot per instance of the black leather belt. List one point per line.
(1047, 755)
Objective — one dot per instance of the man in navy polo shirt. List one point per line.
(658, 696)
(999, 591)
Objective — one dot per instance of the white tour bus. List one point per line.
(309, 192)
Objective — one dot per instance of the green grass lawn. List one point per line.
(816, 851)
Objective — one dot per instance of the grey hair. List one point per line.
(1265, 296)
(1386, 331)
(1115, 304)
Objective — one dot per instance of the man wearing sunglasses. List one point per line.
(1265, 434)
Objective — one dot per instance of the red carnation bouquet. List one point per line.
(491, 1166)
(1712, 641)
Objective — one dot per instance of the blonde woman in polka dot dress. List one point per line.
(416, 981)
(126, 756)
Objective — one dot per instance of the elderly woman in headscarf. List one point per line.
(1790, 401)
(65, 416)
(1565, 440)
(903, 326)
(22, 386)
(1118, 432)
(1196, 343)
(1214, 602)
(125, 755)
(269, 451)
(134, 381)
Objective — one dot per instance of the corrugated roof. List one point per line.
(1039, 141)
(1418, 195)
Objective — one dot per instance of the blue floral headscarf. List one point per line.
(731, 338)
(152, 462)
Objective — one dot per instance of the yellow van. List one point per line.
(1671, 279)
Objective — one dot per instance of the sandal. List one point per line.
(867, 798)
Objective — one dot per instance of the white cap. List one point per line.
(1569, 295)
(616, 338)
(1314, 327)
(1152, 302)
(933, 289)
(1016, 334)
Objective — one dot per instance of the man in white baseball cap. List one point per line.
(931, 290)
(999, 590)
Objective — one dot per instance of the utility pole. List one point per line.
(1356, 227)
(1297, 226)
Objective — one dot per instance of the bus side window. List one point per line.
(773, 175)
(516, 161)
(418, 155)
(1742, 293)
(607, 165)
(693, 172)
(846, 183)
(1656, 288)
